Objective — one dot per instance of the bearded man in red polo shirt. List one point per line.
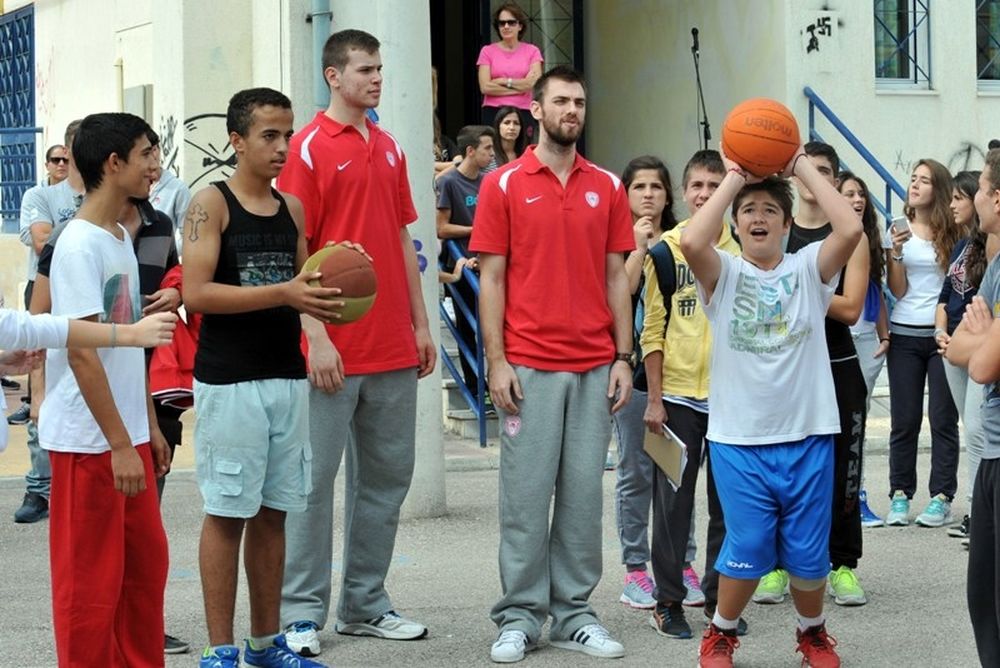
(556, 320)
(350, 175)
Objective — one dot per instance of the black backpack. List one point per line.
(666, 278)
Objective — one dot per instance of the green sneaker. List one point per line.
(899, 511)
(772, 587)
(843, 586)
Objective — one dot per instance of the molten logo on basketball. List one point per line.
(769, 125)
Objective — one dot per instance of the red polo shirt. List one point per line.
(556, 242)
(353, 190)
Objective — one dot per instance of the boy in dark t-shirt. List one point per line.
(458, 193)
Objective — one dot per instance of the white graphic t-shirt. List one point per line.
(770, 366)
(93, 272)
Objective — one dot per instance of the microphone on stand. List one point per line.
(706, 132)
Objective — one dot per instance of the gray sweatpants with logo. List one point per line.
(554, 447)
(374, 418)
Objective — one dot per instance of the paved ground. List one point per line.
(445, 575)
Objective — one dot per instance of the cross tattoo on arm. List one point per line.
(195, 217)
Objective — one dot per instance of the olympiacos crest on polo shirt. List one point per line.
(390, 158)
(593, 199)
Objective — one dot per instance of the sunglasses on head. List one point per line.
(59, 161)
(507, 22)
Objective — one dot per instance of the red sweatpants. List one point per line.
(109, 565)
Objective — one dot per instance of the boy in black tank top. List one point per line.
(810, 226)
(244, 246)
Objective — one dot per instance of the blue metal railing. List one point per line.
(475, 359)
(892, 186)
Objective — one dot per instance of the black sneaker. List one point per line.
(35, 507)
(21, 416)
(960, 530)
(742, 628)
(10, 385)
(668, 620)
(172, 645)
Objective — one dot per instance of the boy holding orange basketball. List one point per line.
(773, 467)
(243, 247)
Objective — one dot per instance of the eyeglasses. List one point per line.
(59, 161)
(507, 23)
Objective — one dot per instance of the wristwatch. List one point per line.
(624, 357)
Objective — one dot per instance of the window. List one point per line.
(988, 44)
(902, 44)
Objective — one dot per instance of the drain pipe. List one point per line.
(321, 17)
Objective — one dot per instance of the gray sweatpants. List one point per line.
(374, 418)
(556, 445)
(634, 485)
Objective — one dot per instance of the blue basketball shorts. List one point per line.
(777, 501)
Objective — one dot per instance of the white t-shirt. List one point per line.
(21, 331)
(93, 272)
(769, 352)
(924, 279)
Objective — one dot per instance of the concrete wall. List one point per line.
(642, 87)
(641, 75)
(952, 122)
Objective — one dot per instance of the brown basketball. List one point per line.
(760, 135)
(352, 272)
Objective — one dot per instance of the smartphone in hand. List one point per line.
(901, 224)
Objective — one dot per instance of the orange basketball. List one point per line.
(760, 135)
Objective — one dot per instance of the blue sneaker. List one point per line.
(278, 655)
(868, 517)
(220, 656)
(937, 513)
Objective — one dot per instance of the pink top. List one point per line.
(514, 64)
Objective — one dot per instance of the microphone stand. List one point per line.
(706, 130)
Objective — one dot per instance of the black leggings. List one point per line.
(912, 360)
(845, 525)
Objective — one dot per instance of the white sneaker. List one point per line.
(389, 626)
(592, 639)
(510, 646)
(303, 638)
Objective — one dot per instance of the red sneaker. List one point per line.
(717, 647)
(817, 646)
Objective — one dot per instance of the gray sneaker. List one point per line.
(937, 513)
(899, 511)
(389, 626)
(638, 591)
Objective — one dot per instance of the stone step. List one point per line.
(463, 423)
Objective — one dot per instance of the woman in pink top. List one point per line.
(509, 68)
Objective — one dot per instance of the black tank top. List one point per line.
(838, 335)
(236, 347)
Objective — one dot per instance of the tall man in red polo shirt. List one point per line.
(556, 319)
(351, 177)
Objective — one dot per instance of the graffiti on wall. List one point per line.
(205, 135)
(964, 157)
(967, 156)
(168, 143)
